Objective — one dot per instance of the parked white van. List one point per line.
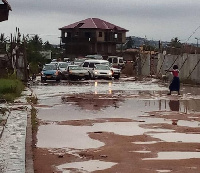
(116, 61)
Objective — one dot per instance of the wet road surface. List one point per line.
(116, 126)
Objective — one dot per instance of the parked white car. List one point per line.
(102, 71)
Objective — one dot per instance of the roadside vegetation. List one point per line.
(10, 88)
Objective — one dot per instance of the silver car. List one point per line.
(102, 71)
(76, 72)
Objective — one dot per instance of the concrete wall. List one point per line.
(185, 62)
(144, 66)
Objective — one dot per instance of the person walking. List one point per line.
(175, 84)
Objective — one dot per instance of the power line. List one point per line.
(193, 33)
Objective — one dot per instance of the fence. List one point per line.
(189, 66)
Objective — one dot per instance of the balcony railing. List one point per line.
(92, 40)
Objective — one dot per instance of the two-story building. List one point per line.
(92, 36)
(4, 10)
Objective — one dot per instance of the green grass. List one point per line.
(10, 89)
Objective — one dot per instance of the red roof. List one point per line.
(94, 23)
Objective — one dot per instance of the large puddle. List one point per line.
(76, 137)
(128, 100)
(130, 109)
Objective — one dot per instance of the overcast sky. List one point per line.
(155, 19)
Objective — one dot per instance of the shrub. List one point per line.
(10, 89)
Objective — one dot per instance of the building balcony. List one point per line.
(78, 39)
(90, 40)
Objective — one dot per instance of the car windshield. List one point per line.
(50, 67)
(63, 65)
(75, 68)
(102, 67)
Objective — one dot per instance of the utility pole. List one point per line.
(196, 51)
(197, 41)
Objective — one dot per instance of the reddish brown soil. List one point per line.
(120, 149)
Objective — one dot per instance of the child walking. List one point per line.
(175, 84)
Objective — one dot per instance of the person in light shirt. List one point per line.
(175, 84)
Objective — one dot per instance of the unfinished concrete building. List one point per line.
(92, 36)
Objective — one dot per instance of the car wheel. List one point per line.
(91, 76)
(71, 78)
(58, 79)
(110, 78)
(43, 80)
(117, 77)
(87, 77)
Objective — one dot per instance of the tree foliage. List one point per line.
(130, 43)
(34, 47)
(175, 42)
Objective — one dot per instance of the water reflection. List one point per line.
(110, 87)
(92, 101)
(174, 105)
(96, 88)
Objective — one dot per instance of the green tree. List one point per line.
(3, 42)
(130, 43)
(175, 42)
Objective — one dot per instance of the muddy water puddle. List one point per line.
(89, 116)
(100, 108)
(77, 136)
(85, 166)
(175, 155)
(177, 137)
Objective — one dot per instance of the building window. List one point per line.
(116, 35)
(88, 34)
(68, 34)
(77, 34)
(100, 34)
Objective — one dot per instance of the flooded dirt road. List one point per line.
(119, 126)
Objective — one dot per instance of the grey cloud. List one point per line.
(159, 19)
(128, 8)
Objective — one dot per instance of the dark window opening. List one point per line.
(110, 60)
(91, 65)
(85, 64)
(114, 60)
(69, 34)
(100, 34)
(120, 60)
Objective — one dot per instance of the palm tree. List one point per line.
(2, 38)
